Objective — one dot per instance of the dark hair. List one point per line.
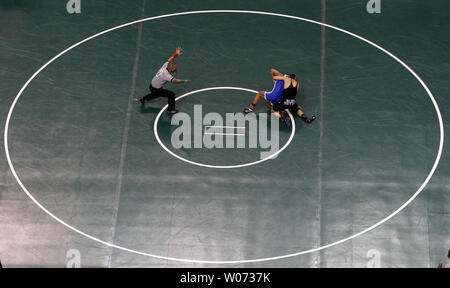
(448, 254)
(293, 76)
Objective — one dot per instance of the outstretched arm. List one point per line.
(176, 80)
(178, 51)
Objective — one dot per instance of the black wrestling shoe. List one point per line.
(310, 119)
(287, 121)
(174, 111)
(142, 100)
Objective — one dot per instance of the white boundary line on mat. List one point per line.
(433, 169)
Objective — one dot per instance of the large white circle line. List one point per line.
(155, 129)
(433, 169)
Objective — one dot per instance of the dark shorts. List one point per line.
(282, 107)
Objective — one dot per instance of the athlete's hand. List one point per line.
(187, 81)
(179, 50)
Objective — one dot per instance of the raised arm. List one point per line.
(178, 51)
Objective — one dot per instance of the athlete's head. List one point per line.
(293, 76)
(172, 67)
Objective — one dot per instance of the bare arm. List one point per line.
(279, 77)
(176, 80)
(287, 80)
(178, 51)
(274, 72)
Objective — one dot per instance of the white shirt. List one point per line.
(162, 77)
(447, 265)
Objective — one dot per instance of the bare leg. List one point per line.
(299, 111)
(276, 113)
(258, 95)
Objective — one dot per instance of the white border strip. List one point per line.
(433, 169)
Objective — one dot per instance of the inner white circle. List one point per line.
(155, 128)
(433, 169)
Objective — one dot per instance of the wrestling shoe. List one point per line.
(287, 121)
(248, 110)
(310, 119)
(142, 100)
